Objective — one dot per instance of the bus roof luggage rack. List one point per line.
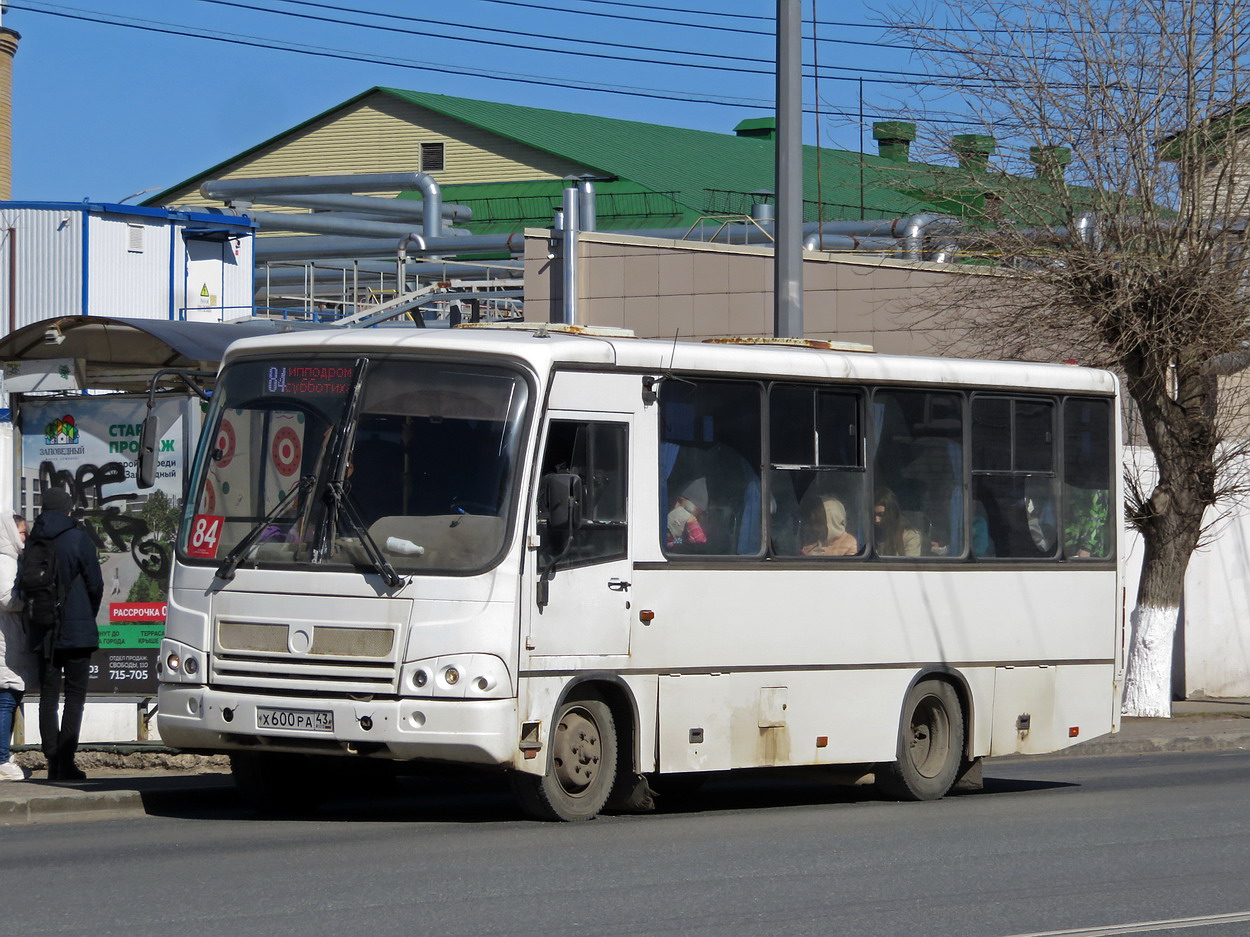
(819, 343)
(545, 328)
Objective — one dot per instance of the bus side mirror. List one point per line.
(561, 500)
(148, 441)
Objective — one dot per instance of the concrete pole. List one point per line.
(788, 253)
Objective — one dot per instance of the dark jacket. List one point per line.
(79, 570)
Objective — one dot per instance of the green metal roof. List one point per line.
(701, 168)
(661, 176)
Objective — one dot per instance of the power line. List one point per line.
(768, 33)
(935, 81)
(372, 59)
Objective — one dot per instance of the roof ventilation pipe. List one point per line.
(973, 151)
(409, 209)
(894, 139)
(227, 190)
(1050, 160)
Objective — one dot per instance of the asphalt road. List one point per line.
(1080, 846)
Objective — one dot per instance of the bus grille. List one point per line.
(338, 659)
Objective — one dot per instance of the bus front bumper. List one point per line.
(197, 718)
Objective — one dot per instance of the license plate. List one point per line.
(311, 720)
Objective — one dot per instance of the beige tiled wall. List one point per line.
(657, 288)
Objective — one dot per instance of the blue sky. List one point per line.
(104, 111)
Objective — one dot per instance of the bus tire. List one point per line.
(583, 766)
(275, 783)
(930, 745)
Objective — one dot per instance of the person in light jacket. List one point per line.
(77, 637)
(17, 664)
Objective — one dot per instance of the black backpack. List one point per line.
(39, 585)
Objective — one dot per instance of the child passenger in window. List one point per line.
(685, 520)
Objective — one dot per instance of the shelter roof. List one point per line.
(122, 354)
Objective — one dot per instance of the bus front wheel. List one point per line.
(583, 765)
(930, 745)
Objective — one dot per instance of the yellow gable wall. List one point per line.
(382, 133)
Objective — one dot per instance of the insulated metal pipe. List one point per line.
(569, 260)
(586, 212)
(323, 223)
(226, 190)
(409, 208)
(275, 249)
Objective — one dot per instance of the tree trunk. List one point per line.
(1148, 680)
(1173, 396)
(1170, 535)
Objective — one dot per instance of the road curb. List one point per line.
(70, 805)
(1114, 745)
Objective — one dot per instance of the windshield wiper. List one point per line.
(336, 462)
(231, 562)
(337, 494)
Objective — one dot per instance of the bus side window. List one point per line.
(596, 453)
(918, 472)
(1087, 465)
(710, 493)
(1013, 477)
(816, 473)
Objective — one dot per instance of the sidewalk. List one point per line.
(134, 780)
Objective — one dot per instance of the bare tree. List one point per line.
(1132, 257)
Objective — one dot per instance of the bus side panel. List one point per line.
(714, 722)
(1036, 708)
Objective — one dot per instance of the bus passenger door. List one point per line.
(580, 596)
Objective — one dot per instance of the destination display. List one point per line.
(308, 379)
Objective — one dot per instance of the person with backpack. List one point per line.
(17, 664)
(62, 586)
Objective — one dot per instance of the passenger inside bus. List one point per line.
(684, 524)
(895, 534)
(825, 521)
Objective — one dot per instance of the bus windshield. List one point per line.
(351, 462)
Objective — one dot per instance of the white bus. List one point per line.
(592, 561)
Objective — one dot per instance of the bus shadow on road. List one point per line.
(471, 798)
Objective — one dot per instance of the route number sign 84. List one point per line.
(205, 535)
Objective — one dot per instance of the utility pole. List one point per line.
(788, 247)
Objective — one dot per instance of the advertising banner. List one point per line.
(89, 447)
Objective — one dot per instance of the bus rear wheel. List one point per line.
(930, 745)
(583, 765)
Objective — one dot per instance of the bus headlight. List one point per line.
(178, 663)
(458, 676)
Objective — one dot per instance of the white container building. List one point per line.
(102, 259)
